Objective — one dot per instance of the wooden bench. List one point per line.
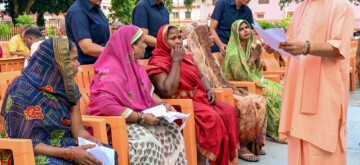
(11, 64)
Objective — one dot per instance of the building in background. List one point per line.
(105, 7)
(181, 16)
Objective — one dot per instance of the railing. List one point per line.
(15, 29)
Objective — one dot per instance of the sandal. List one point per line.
(262, 152)
(247, 157)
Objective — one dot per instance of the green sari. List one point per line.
(235, 67)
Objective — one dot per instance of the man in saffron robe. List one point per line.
(315, 98)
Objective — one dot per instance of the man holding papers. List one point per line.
(315, 98)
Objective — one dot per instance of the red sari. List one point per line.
(216, 125)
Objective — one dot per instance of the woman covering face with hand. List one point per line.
(176, 76)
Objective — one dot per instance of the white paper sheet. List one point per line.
(101, 153)
(160, 112)
(273, 37)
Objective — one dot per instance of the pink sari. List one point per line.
(121, 84)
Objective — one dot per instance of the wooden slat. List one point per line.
(11, 64)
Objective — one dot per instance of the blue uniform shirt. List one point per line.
(147, 14)
(86, 20)
(226, 13)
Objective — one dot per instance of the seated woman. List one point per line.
(242, 62)
(176, 76)
(42, 105)
(252, 107)
(121, 87)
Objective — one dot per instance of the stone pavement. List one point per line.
(277, 153)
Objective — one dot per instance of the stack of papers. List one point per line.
(273, 37)
(105, 155)
(160, 112)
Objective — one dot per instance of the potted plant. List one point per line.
(24, 20)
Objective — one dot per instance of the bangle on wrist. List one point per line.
(63, 154)
(307, 47)
(71, 154)
(177, 60)
(142, 121)
(138, 117)
(162, 103)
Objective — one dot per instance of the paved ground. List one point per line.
(277, 153)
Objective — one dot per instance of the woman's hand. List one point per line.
(169, 107)
(294, 47)
(222, 48)
(255, 52)
(150, 119)
(93, 139)
(211, 96)
(240, 92)
(177, 52)
(81, 156)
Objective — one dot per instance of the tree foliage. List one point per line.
(188, 3)
(169, 5)
(24, 20)
(51, 6)
(16, 7)
(122, 10)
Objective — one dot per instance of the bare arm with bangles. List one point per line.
(146, 118)
(77, 154)
(169, 83)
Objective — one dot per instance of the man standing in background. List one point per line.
(150, 15)
(87, 26)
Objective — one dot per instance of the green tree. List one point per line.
(188, 3)
(51, 6)
(122, 10)
(16, 7)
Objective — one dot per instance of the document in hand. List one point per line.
(273, 37)
(105, 155)
(160, 112)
